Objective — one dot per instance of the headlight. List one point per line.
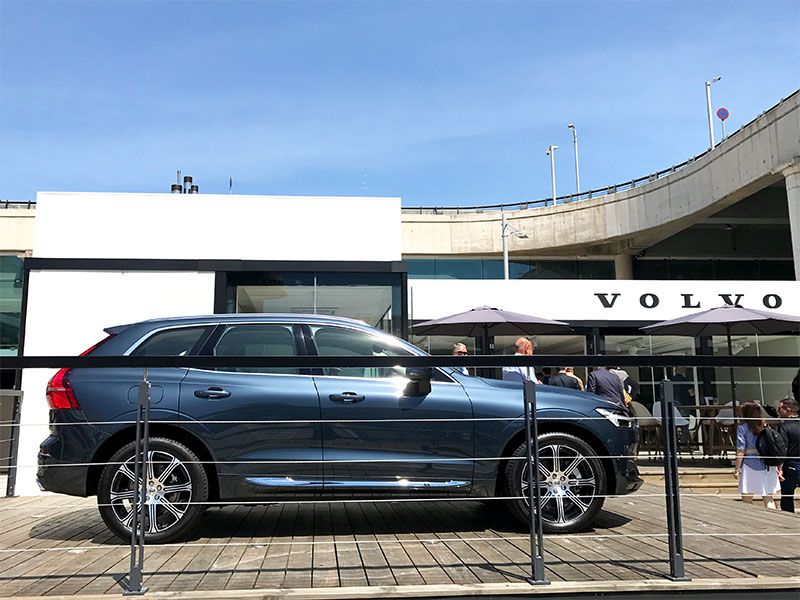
(618, 419)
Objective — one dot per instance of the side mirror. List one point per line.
(420, 384)
(419, 373)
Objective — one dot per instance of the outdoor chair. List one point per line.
(725, 424)
(683, 425)
(648, 426)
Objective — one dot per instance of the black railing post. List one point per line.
(534, 493)
(672, 487)
(140, 468)
(16, 412)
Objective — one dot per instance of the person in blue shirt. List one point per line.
(755, 478)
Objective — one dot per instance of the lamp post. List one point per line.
(708, 106)
(505, 231)
(551, 152)
(577, 170)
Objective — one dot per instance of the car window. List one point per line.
(340, 341)
(172, 342)
(257, 340)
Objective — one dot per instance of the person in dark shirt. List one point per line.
(789, 473)
(683, 389)
(563, 379)
(604, 383)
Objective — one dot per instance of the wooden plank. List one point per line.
(351, 569)
(274, 564)
(300, 559)
(403, 568)
(324, 566)
(246, 570)
(376, 567)
(426, 565)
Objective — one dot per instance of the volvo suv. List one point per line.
(224, 435)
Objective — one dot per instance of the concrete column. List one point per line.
(792, 175)
(623, 266)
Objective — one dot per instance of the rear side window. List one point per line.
(172, 342)
(257, 340)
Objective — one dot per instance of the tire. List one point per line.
(171, 513)
(571, 494)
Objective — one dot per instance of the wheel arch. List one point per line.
(128, 434)
(559, 427)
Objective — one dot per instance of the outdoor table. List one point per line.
(711, 441)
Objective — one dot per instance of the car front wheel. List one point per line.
(176, 492)
(572, 483)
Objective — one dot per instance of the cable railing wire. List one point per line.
(670, 492)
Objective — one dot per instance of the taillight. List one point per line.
(59, 390)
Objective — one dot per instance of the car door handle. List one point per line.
(212, 393)
(346, 397)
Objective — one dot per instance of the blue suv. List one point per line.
(224, 435)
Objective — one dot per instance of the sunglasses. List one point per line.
(460, 353)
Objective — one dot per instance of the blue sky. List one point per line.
(439, 102)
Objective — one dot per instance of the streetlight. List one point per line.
(551, 152)
(708, 106)
(505, 231)
(577, 171)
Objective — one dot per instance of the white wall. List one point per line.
(215, 226)
(576, 299)
(67, 311)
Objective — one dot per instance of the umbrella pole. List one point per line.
(733, 383)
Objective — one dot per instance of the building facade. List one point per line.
(723, 227)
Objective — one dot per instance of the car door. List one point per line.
(373, 414)
(261, 423)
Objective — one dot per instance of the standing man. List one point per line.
(563, 379)
(524, 347)
(460, 349)
(604, 383)
(790, 472)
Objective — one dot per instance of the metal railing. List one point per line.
(134, 585)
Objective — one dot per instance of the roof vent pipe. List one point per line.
(176, 188)
(195, 189)
(187, 183)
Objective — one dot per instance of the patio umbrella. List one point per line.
(485, 321)
(727, 320)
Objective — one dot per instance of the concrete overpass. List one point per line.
(763, 153)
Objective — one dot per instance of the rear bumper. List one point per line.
(58, 476)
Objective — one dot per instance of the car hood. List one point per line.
(553, 393)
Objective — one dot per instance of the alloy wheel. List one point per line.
(168, 492)
(566, 483)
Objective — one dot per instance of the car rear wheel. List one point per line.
(572, 483)
(176, 483)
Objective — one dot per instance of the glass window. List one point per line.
(777, 270)
(257, 340)
(650, 269)
(691, 269)
(458, 269)
(554, 269)
(375, 298)
(736, 269)
(421, 268)
(173, 342)
(596, 269)
(341, 341)
(10, 304)
(493, 269)
(648, 377)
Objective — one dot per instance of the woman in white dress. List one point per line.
(755, 478)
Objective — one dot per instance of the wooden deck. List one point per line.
(56, 545)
